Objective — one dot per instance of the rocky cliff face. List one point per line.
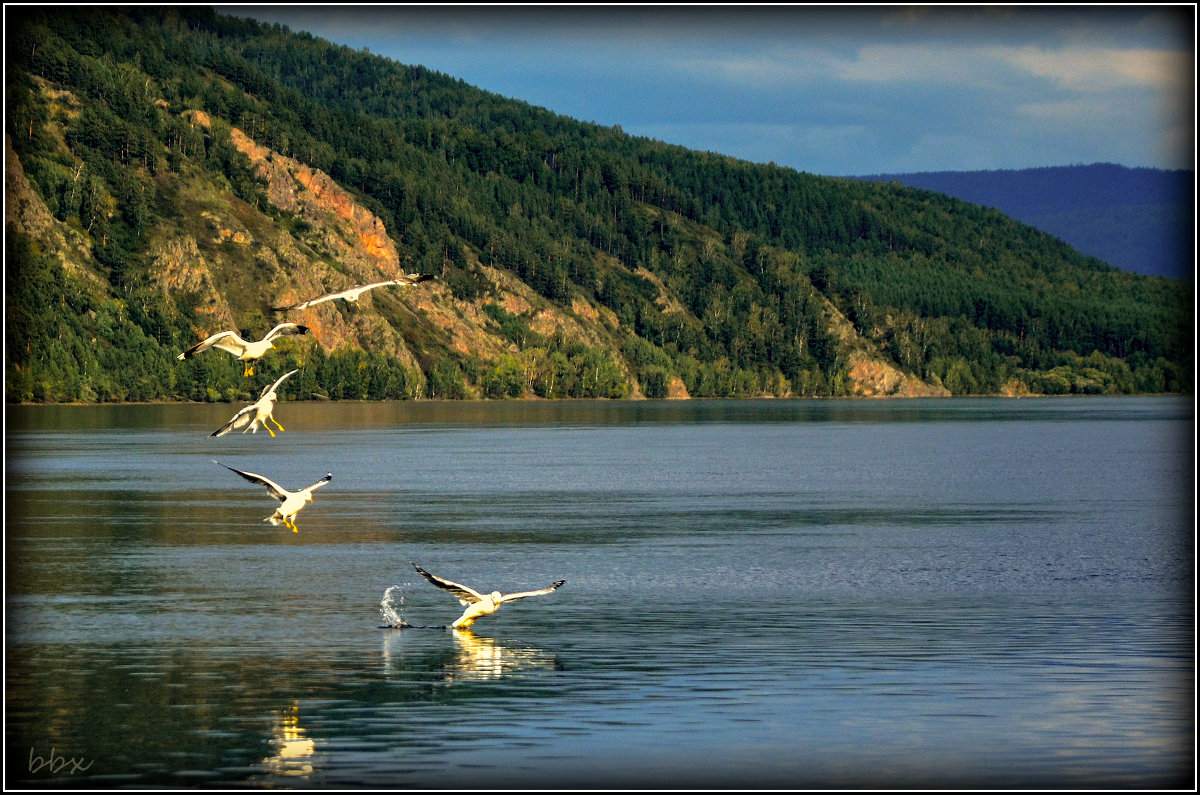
(870, 374)
(343, 244)
(231, 263)
(25, 211)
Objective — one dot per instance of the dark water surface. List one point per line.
(759, 594)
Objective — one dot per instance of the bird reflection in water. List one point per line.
(473, 657)
(482, 658)
(294, 749)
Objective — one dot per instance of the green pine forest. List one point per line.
(708, 273)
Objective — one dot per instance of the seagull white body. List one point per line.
(352, 294)
(478, 604)
(291, 501)
(249, 418)
(244, 351)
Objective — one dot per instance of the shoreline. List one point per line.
(466, 401)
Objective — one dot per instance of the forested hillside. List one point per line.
(1137, 219)
(172, 173)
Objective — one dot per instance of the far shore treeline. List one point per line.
(165, 173)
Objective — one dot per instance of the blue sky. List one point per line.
(836, 90)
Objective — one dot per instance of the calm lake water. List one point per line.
(759, 594)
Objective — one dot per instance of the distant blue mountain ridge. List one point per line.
(1136, 219)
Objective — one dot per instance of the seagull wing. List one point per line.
(354, 293)
(232, 343)
(221, 340)
(277, 491)
(345, 295)
(275, 385)
(350, 294)
(465, 595)
(511, 596)
(411, 278)
(373, 285)
(286, 328)
(328, 477)
(239, 420)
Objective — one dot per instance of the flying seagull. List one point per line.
(479, 604)
(354, 293)
(256, 414)
(247, 352)
(292, 501)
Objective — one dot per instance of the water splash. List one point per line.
(391, 607)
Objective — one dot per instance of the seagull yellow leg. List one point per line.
(248, 370)
(277, 425)
(268, 427)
